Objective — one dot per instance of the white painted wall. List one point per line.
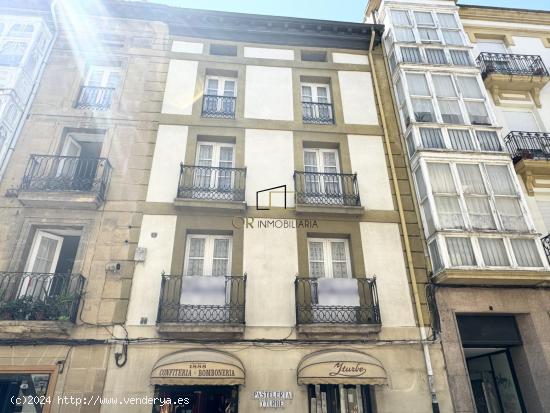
(179, 93)
(146, 283)
(187, 47)
(358, 98)
(269, 162)
(267, 53)
(268, 93)
(383, 255)
(169, 153)
(349, 58)
(368, 160)
(270, 258)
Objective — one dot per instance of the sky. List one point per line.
(341, 10)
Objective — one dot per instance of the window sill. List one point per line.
(497, 276)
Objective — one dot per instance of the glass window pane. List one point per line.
(460, 251)
(461, 139)
(434, 255)
(452, 37)
(501, 181)
(418, 85)
(428, 35)
(422, 193)
(411, 55)
(441, 178)
(450, 111)
(461, 58)
(404, 34)
(423, 110)
(339, 259)
(510, 213)
(471, 179)
(436, 56)
(494, 252)
(448, 212)
(479, 212)
(526, 253)
(447, 20)
(469, 87)
(400, 18)
(316, 259)
(423, 18)
(431, 138)
(488, 141)
(306, 94)
(443, 85)
(478, 113)
(400, 92)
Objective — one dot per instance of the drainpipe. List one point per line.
(30, 100)
(408, 253)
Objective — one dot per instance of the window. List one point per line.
(460, 251)
(420, 97)
(431, 138)
(424, 201)
(461, 58)
(213, 163)
(494, 252)
(103, 76)
(329, 257)
(469, 87)
(452, 37)
(447, 99)
(393, 61)
(426, 27)
(521, 120)
(313, 92)
(445, 196)
(313, 56)
(428, 35)
(424, 19)
(402, 102)
(411, 55)
(339, 398)
(436, 56)
(208, 255)
(488, 140)
(474, 100)
(491, 46)
(478, 113)
(475, 197)
(52, 251)
(316, 107)
(221, 86)
(506, 199)
(12, 53)
(322, 168)
(461, 139)
(21, 30)
(526, 253)
(435, 257)
(403, 26)
(447, 20)
(223, 50)
(219, 97)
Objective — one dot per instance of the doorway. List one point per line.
(196, 399)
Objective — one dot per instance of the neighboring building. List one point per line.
(198, 206)
(24, 44)
(482, 224)
(69, 198)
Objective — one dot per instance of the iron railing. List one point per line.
(315, 112)
(39, 296)
(309, 311)
(322, 188)
(546, 245)
(94, 97)
(209, 182)
(511, 64)
(214, 106)
(178, 291)
(67, 174)
(528, 145)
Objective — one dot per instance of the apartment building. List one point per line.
(469, 87)
(69, 215)
(24, 45)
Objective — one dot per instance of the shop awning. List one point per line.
(340, 367)
(198, 367)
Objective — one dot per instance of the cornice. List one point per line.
(506, 15)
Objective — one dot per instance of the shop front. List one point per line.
(197, 381)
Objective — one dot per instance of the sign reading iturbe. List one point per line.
(272, 399)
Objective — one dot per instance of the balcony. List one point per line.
(65, 181)
(503, 72)
(202, 305)
(95, 98)
(322, 192)
(37, 304)
(209, 186)
(530, 152)
(333, 305)
(214, 106)
(317, 113)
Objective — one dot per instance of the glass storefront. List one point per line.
(20, 387)
(338, 398)
(196, 399)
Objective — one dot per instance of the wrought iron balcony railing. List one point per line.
(528, 145)
(511, 64)
(214, 183)
(214, 106)
(336, 301)
(321, 188)
(39, 296)
(202, 299)
(546, 245)
(94, 97)
(315, 112)
(67, 174)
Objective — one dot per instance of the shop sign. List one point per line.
(272, 399)
(202, 370)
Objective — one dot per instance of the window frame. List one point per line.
(327, 257)
(208, 257)
(315, 92)
(221, 85)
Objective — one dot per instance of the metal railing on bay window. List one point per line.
(511, 64)
(202, 299)
(95, 97)
(336, 301)
(317, 112)
(528, 145)
(322, 188)
(55, 173)
(40, 296)
(214, 106)
(209, 182)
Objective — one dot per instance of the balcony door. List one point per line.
(521, 121)
(315, 101)
(495, 63)
(322, 178)
(220, 93)
(67, 168)
(214, 169)
(103, 76)
(99, 84)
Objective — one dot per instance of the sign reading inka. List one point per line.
(197, 370)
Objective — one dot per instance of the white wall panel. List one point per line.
(267, 53)
(179, 93)
(268, 93)
(358, 98)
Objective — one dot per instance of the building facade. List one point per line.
(469, 86)
(213, 207)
